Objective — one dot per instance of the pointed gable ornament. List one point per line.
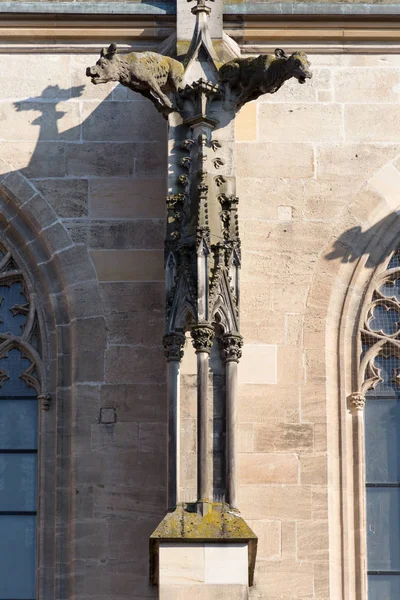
(200, 96)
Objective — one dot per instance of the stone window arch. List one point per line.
(23, 392)
(379, 400)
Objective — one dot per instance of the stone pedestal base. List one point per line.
(203, 555)
(203, 592)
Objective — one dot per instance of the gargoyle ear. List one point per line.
(103, 52)
(279, 53)
(112, 49)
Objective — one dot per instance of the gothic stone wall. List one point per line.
(314, 163)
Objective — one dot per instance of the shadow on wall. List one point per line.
(105, 158)
(354, 242)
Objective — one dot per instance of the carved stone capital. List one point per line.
(231, 347)
(45, 401)
(173, 344)
(356, 402)
(202, 338)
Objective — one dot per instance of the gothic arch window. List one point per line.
(22, 387)
(380, 374)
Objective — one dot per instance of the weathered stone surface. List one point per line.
(264, 160)
(268, 468)
(262, 196)
(122, 122)
(299, 122)
(152, 437)
(41, 159)
(275, 502)
(313, 541)
(269, 539)
(266, 403)
(128, 265)
(100, 160)
(127, 198)
(355, 163)
(103, 235)
(34, 79)
(367, 85)
(68, 197)
(114, 437)
(313, 470)
(286, 580)
(369, 123)
(246, 123)
(126, 364)
(283, 437)
(136, 402)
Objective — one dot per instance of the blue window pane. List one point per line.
(383, 529)
(14, 365)
(382, 441)
(17, 556)
(12, 301)
(18, 424)
(18, 475)
(383, 587)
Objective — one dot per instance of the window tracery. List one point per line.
(19, 329)
(380, 377)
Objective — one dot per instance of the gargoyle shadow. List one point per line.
(50, 115)
(354, 243)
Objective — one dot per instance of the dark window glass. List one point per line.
(383, 528)
(383, 587)
(18, 471)
(17, 557)
(382, 436)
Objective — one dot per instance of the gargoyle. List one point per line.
(249, 78)
(152, 75)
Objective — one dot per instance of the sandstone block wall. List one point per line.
(314, 165)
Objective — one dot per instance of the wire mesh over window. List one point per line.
(381, 358)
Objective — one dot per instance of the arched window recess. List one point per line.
(376, 408)
(19, 328)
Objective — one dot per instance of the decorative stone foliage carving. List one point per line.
(173, 345)
(248, 78)
(356, 402)
(19, 326)
(380, 334)
(202, 338)
(231, 347)
(150, 74)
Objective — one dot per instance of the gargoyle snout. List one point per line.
(91, 72)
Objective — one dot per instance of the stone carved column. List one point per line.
(356, 405)
(173, 345)
(231, 350)
(202, 338)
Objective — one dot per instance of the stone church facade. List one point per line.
(84, 468)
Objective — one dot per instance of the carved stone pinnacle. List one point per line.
(357, 401)
(173, 344)
(231, 347)
(202, 338)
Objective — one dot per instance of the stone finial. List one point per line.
(202, 338)
(201, 7)
(231, 347)
(173, 344)
(356, 402)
